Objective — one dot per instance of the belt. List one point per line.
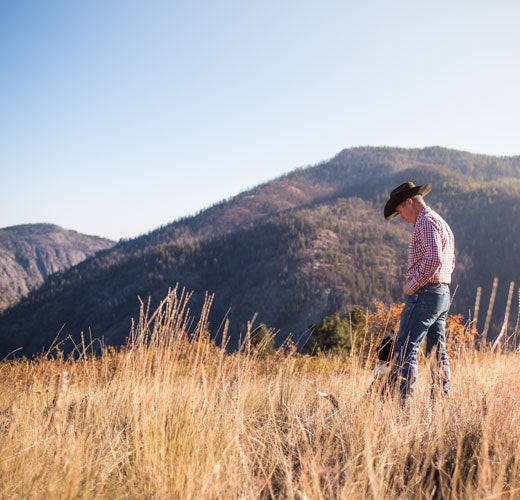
(435, 284)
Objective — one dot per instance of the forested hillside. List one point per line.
(305, 245)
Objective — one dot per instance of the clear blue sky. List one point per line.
(118, 116)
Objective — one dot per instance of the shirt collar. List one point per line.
(422, 213)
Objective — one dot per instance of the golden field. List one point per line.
(175, 416)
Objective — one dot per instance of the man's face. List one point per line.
(405, 210)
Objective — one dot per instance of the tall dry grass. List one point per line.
(176, 417)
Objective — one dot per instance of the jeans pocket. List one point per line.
(435, 303)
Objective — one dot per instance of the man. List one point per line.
(431, 260)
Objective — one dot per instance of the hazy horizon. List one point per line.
(202, 208)
(121, 117)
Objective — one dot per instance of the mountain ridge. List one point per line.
(307, 244)
(30, 253)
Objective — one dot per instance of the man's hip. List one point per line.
(423, 308)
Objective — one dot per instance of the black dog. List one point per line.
(387, 373)
(386, 370)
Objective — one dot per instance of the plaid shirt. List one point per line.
(431, 254)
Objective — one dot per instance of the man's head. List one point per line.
(406, 200)
(410, 208)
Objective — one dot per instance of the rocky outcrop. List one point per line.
(29, 253)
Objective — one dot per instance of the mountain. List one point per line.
(305, 245)
(29, 253)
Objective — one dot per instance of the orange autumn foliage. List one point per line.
(459, 335)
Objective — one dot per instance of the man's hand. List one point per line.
(407, 290)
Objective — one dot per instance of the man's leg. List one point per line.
(440, 365)
(412, 330)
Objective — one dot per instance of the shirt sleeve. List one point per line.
(430, 239)
(453, 261)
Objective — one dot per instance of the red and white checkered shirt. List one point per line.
(431, 254)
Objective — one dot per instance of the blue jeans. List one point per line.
(423, 315)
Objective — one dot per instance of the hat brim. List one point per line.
(391, 204)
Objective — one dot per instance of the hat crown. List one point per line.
(405, 186)
(401, 193)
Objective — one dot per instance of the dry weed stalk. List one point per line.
(476, 308)
(60, 412)
(503, 330)
(515, 332)
(490, 309)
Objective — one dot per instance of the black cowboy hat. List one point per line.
(401, 193)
